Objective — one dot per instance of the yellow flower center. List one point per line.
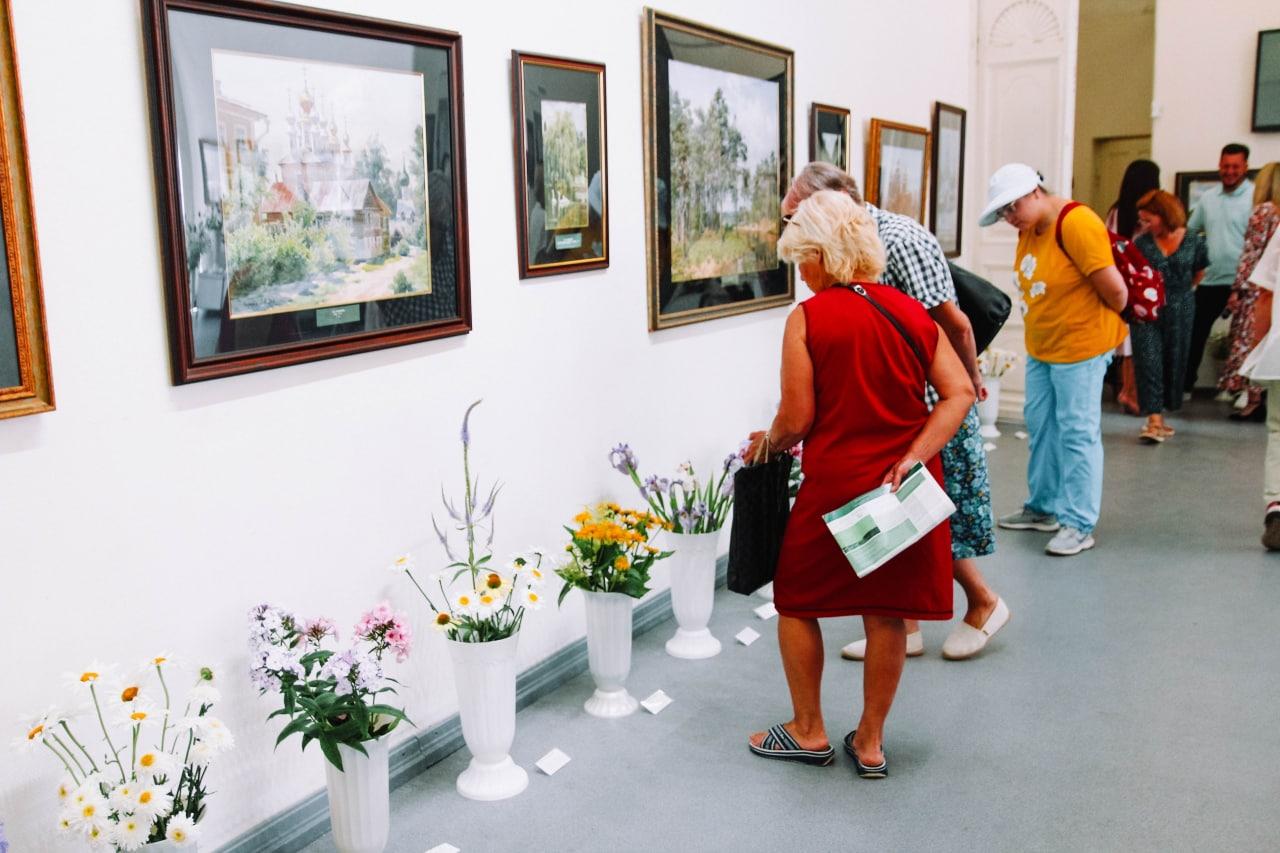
(177, 835)
(464, 600)
(442, 619)
(95, 832)
(402, 561)
(533, 597)
(486, 599)
(138, 716)
(86, 677)
(159, 660)
(144, 797)
(129, 694)
(88, 810)
(147, 759)
(35, 733)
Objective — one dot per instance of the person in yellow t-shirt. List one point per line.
(1071, 302)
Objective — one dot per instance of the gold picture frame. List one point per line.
(903, 150)
(26, 383)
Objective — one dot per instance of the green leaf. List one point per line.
(296, 725)
(330, 750)
(564, 591)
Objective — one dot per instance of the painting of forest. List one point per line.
(564, 153)
(724, 172)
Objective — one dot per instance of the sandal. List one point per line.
(778, 743)
(1151, 435)
(878, 772)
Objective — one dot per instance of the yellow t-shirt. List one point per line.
(1065, 320)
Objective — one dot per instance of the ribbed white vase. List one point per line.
(989, 409)
(169, 847)
(693, 589)
(360, 798)
(609, 653)
(485, 675)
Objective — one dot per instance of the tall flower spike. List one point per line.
(466, 431)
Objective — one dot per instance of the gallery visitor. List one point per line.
(1160, 347)
(1263, 366)
(1240, 305)
(1071, 296)
(1140, 177)
(851, 380)
(916, 266)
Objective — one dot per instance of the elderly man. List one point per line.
(916, 266)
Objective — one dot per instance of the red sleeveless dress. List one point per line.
(869, 406)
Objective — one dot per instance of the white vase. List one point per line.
(360, 798)
(169, 847)
(693, 590)
(989, 409)
(609, 653)
(485, 675)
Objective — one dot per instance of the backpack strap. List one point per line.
(911, 342)
(1057, 230)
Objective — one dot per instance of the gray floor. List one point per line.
(1131, 703)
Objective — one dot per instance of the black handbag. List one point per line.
(761, 507)
(986, 305)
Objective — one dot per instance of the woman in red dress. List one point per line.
(852, 390)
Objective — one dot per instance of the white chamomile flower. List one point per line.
(443, 621)
(152, 802)
(215, 733)
(486, 603)
(1027, 266)
(138, 712)
(131, 832)
(122, 796)
(204, 694)
(92, 675)
(66, 820)
(532, 599)
(32, 732)
(466, 601)
(97, 836)
(201, 754)
(90, 811)
(403, 563)
(163, 660)
(154, 764)
(1038, 289)
(64, 792)
(181, 830)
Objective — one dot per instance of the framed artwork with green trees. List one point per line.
(562, 176)
(310, 176)
(718, 158)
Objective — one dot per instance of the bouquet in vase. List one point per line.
(682, 503)
(489, 603)
(329, 697)
(609, 551)
(145, 781)
(994, 363)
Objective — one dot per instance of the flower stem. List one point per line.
(164, 728)
(133, 749)
(69, 753)
(421, 590)
(74, 777)
(92, 764)
(115, 754)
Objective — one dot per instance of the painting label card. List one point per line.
(747, 636)
(766, 610)
(444, 848)
(337, 316)
(552, 761)
(656, 701)
(568, 241)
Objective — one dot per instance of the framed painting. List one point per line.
(829, 135)
(562, 178)
(1188, 186)
(898, 167)
(26, 384)
(946, 179)
(1266, 82)
(717, 158)
(310, 180)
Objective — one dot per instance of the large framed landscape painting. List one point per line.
(311, 183)
(898, 167)
(946, 187)
(718, 131)
(562, 178)
(829, 135)
(26, 385)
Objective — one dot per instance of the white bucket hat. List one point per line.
(1010, 182)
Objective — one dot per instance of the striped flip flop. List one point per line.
(778, 743)
(880, 771)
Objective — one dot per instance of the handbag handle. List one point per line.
(763, 446)
(911, 342)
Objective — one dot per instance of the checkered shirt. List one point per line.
(914, 264)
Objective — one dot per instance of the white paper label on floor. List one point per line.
(552, 761)
(444, 848)
(989, 446)
(656, 702)
(766, 611)
(1021, 435)
(747, 636)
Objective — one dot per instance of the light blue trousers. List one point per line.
(1064, 418)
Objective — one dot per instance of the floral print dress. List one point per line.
(1262, 224)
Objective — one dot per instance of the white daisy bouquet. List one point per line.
(145, 781)
(994, 363)
(477, 602)
(683, 503)
(330, 697)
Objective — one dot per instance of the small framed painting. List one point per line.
(1266, 82)
(562, 178)
(898, 167)
(829, 135)
(26, 383)
(946, 181)
(1189, 186)
(310, 175)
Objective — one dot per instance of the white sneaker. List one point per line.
(965, 641)
(1068, 541)
(857, 650)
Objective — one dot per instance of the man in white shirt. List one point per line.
(1263, 366)
(1222, 213)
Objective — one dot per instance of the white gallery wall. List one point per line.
(141, 517)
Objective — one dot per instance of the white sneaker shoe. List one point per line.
(857, 650)
(965, 641)
(1069, 542)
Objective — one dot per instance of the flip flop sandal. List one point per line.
(1151, 436)
(879, 771)
(778, 743)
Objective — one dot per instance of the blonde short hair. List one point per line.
(1266, 187)
(843, 233)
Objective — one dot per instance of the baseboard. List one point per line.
(300, 824)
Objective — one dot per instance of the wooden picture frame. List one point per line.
(1266, 83)
(560, 232)
(714, 259)
(825, 119)
(26, 381)
(946, 177)
(903, 151)
(343, 228)
(1187, 186)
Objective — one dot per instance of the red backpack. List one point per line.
(1145, 285)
